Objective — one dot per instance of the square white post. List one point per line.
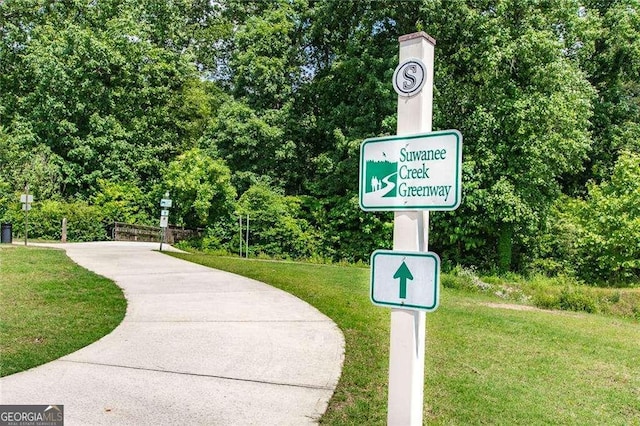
(410, 233)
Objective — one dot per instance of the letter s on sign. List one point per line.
(409, 80)
(409, 77)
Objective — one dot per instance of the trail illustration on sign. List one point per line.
(403, 273)
(380, 178)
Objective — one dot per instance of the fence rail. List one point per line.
(132, 232)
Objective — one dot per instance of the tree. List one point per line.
(263, 68)
(599, 237)
(124, 202)
(523, 106)
(253, 145)
(37, 167)
(200, 187)
(613, 68)
(507, 75)
(267, 60)
(98, 84)
(276, 225)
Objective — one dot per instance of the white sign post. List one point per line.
(26, 199)
(165, 203)
(410, 174)
(410, 233)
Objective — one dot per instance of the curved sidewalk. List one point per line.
(197, 346)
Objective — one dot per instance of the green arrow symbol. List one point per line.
(403, 273)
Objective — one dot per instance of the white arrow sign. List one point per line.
(407, 280)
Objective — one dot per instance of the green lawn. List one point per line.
(49, 307)
(485, 365)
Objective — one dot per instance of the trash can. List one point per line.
(5, 233)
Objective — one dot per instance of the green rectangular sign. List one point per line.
(417, 172)
(406, 280)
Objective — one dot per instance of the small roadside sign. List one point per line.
(417, 172)
(166, 204)
(406, 280)
(26, 199)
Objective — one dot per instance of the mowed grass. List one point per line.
(484, 365)
(50, 307)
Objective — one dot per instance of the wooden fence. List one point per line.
(130, 232)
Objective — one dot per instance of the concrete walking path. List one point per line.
(197, 346)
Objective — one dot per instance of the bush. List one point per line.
(347, 232)
(201, 189)
(123, 202)
(546, 300)
(276, 226)
(598, 238)
(577, 299)
(84, 222)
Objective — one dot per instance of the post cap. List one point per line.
(419, 34)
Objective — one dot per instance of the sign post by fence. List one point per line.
(241, 238)
(165, 204)
(244, 237)
(247, 241)
(26, 199)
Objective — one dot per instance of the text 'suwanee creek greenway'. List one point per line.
(420, 172)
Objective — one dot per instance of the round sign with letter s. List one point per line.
(409, 77)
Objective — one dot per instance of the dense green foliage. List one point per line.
(597, 237)
(84, 221)
(524, 112)
(201, 188)
(250, 107)
(275, 224)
